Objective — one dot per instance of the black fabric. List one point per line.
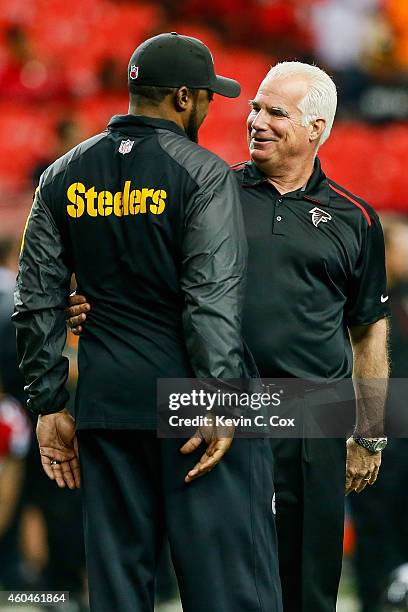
(306, 283)
(379, 518)
(151, 226)
(309, 483)
(220, 527)
(173, 60)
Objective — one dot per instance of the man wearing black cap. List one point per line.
(315, 313)
(150, 224)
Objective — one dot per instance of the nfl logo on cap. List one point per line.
(134, 71)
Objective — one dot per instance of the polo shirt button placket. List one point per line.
(278, 218)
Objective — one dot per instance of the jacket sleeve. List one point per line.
(40, 298)
(213, 275)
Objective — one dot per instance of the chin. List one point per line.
(258, 156)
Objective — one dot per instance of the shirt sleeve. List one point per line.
(212, 280)
(368, 297)
(39, 301)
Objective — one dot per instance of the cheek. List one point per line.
(201, 116)
(301, 132)
(280, 127)
(291, 134)
(302, 136)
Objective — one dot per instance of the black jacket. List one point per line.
(151, 225)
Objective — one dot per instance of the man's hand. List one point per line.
(362, 467)
(76, 312)
(218, 439)
(58, 443)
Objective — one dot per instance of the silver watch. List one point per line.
(373, 445)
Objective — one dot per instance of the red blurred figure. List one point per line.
(14, 433)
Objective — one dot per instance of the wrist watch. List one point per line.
(373, 445)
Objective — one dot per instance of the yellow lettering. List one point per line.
(125, 199)
(158, 202)
(134, 199)
(105, 199)
(91, 195)
(146, 193)
(77, 208)
(121, 203)
(117, 204)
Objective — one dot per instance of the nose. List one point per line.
(258, 122)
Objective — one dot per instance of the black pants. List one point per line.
(220, 528)
(379, 515)
(309, 485)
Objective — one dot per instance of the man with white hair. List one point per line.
(316, 279)
(315, 297)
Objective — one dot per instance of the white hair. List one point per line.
(321, 98)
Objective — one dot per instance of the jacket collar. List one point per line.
(317, 188)
(132, 123)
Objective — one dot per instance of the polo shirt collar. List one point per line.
(131, 123)
(317, 188)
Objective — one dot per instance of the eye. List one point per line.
(278, 113)
(254, 107)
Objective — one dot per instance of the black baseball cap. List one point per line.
(173, 60)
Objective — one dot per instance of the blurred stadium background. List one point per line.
(62, 76)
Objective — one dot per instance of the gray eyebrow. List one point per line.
(273, 109)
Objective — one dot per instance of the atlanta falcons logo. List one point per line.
(319, 215)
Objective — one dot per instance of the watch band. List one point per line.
(373, 445)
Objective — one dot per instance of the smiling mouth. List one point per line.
(262, 140)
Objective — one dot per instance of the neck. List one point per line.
(156, 112)
(292, 174)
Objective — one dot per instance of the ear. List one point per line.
(316, 129)
(182, 98)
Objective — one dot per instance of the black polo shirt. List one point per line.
(316, 266)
